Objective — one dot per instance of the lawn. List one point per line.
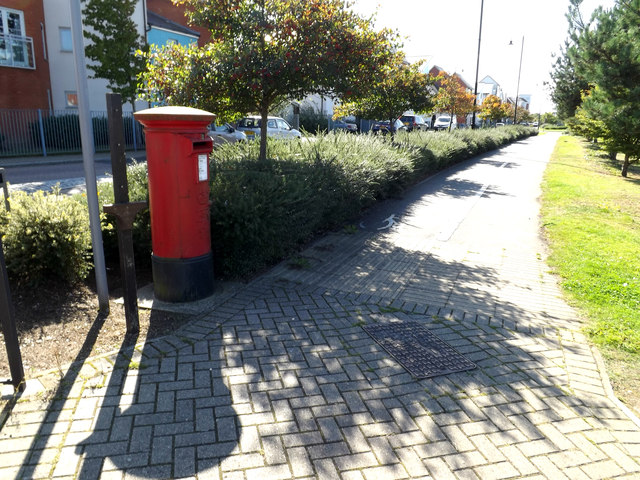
(591, 217)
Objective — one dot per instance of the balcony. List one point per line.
(16, 52)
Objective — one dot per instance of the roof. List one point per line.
(155, 20)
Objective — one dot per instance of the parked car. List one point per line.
(414, 122)
(221, 134)
(443, 122)
(382, 127)
(276, 127)
(343, 125)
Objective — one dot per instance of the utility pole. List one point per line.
(515, 110)
(475, 90)
(86, 134)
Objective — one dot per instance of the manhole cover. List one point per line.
(417, 349)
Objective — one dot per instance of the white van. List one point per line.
(443, 121)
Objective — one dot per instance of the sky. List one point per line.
(445, 33)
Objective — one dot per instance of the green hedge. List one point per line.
(46, 236)
(264, 211)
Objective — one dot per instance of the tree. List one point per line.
(524, 115)
(493, 109)
(550, 118)
(263, 51)
(453, 97)
(608, 55)
(114, 42)
(567, 83)
(401, 87)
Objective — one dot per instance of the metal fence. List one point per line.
(49, 132)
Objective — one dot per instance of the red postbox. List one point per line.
(178, 149)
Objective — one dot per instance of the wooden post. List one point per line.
(124, 211)
(9, 328)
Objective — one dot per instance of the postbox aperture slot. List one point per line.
(201, 145)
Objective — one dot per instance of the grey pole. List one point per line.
(515, 111)
(475, 90)
(86, 134)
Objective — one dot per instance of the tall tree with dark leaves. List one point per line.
(114, 41)
(264, 51)
(608, 55)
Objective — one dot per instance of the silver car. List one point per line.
(221, 134)
(276, 127)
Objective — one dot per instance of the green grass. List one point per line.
(591, 216)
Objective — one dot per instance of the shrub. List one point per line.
(263, 211)
(46, 236)
(312, 121)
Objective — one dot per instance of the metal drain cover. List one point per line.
(417, 349)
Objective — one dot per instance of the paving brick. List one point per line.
(325, 469)
(411, 462)
(387, 472)
(439, 469)
(274, 452)
(299, 461)
(547, 468)
(458, 438)
(518, 460)
(383, 450)
(275, 472)
(497, 471)
(355, 461)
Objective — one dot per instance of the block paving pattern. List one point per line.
(279, 380)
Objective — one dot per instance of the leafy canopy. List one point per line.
(114, 42)
(607, 54)
(494, 109)
(453, 97)
(401, 87)
(264, 51)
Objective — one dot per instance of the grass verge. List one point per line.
(591, 217)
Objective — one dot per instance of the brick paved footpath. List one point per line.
(278, 380)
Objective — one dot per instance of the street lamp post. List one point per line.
(515, 110)
(475, 90)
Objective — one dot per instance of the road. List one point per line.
(40, 173)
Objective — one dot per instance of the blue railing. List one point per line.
(50, 132)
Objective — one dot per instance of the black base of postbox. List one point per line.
(178, 280)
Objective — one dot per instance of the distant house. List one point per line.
(164, 10)
(488, 86)
(163, 31)
(37, 63)
(24, 62)
(57, 14)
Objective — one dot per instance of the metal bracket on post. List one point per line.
(124, 211)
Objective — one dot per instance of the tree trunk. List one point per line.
(264, 113)
(613, 155)
(625, 165)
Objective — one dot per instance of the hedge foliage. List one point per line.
(261, 211)
(46, 236)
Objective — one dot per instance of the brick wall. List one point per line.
(24, 88)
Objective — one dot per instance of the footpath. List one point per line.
(282, 378)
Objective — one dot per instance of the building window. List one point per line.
(66, 45)
(72, 98)
(16, 49)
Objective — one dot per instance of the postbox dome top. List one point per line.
(177, 114)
